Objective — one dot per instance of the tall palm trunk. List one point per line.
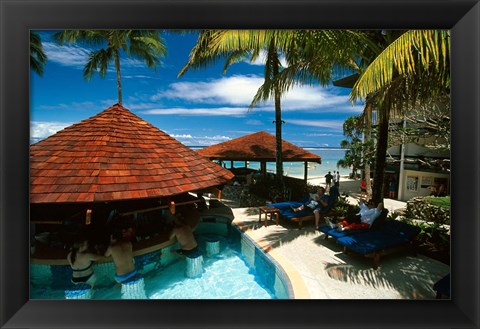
(382, 145)
(368, 136)
(274, 63)
(119, 77)
(278, 136)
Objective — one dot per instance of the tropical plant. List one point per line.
(412, 53)
(358, 153)
(38, 58)
(408, 68)
(146, 45)
(429, 122)
(442, 202)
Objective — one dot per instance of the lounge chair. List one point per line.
(334, 233)
(299, 217)
(393, 236)
(287, 212)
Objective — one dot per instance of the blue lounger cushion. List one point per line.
(393, 233)
(336, 234)
(286, 208)
(378, 224)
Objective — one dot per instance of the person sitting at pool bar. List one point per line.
(81, 262)
(121, 251)
(185, 237)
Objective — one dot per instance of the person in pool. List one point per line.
(184, 235)
(81, 262)
(121, 251)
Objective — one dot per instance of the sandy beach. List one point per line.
(347, 185)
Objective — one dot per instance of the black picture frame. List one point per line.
(19, 16)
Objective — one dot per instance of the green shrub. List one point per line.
(432, 233)
(443, 202)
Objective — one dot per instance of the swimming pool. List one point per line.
(239, 271)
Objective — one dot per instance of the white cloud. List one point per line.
(235, 90)
(66, 55)
(189, 140)
(240, 90)
(329, 124)
(40, 129)
(76, 56)
(217, 111)
(262, 58)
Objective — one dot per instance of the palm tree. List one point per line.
(358, 152)
(397, 69)
(38, 58)
(412, 67)
(238, 45)
(297, 46)
(146, 45)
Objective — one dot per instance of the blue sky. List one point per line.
(203, 107)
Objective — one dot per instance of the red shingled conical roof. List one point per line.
(116, 155)
(259, 146)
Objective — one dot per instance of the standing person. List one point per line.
(81, 262)
(392, 188)
(337, 178)
(334, 193)
(121, 251)
(185, 237)
(328, 180)
(363, 188)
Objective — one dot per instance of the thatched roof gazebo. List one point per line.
(260, 147)
(115, 157)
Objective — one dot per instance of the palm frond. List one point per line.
(38, 58)
(414, 51)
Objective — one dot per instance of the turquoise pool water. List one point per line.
(239, 271)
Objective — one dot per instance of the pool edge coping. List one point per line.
(299, 289)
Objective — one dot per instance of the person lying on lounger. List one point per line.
(362, 220)
(318, 200)
(319, 204)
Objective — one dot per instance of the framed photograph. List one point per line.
(18, 310)
(412, 183)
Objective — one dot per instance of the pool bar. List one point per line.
(213, 228)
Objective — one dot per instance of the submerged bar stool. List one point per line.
(194, 265)
(80, 291)
(134, 288)
(212, 245)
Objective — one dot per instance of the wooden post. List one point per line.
(172, 207)
(305, 171)
(88, 217)
(263, 169)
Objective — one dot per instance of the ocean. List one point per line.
(329, 156)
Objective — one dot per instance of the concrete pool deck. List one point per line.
(318, 268)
